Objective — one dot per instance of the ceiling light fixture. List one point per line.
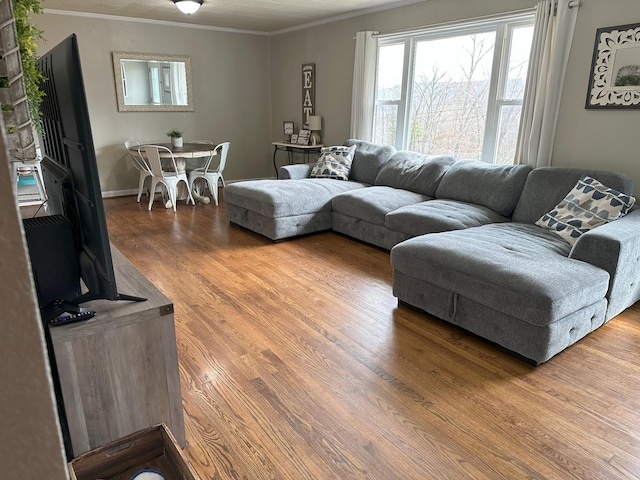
(188, 6)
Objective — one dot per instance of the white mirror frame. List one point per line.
(117, 70)
(612, 44)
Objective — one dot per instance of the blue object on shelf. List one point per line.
(26, 180)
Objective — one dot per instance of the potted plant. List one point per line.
(176, 137)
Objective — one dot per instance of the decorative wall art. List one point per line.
(308, 92)
(615, 69)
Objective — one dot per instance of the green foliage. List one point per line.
(174, 133)
(628, 81)
(28, 35)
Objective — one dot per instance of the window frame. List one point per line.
(503, 26)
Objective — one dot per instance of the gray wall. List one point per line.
(30, 442)
(608, 139)
(231, 92)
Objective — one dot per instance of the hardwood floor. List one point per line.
(297, 363)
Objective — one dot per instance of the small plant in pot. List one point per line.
(176, 137)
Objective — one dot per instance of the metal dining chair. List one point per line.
(140, 165)
(198, 162)
(209, 142)
(209, 174)
(169, 178)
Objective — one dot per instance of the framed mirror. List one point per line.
(615, 68)
(149, 82)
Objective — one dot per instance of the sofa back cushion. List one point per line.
(497, 187)
(414, 172)
(367, 160)
(547, 186)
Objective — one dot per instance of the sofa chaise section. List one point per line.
(280, 209)
(507, 283)
(521, 286)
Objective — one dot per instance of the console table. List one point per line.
(118, 371)
(290, 148)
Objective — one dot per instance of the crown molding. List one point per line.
(148, 20)
(346, 16)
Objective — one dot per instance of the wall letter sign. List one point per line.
(308, 91)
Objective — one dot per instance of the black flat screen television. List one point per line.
(70, 174)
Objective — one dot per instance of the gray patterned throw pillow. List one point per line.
(588, 205)
(334, 162)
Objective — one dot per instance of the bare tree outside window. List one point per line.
(450, 94)
(456, 104)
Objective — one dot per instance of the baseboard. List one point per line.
(120, 193)
(134, 191)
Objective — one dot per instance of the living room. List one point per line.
(249, 112)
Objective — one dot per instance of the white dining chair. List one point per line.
(169, 178)
(198, 162)
(209, 174)
(209, 142)
(140, 165)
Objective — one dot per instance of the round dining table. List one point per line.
(188, 150)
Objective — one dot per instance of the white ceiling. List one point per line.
(251, 15)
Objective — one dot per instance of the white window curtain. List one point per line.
(178, 84)
(553, 33)
(364, 77)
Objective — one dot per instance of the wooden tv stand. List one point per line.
(119, 371)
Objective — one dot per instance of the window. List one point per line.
(154, 82)
(454, 90)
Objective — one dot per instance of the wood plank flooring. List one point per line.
(297, 363)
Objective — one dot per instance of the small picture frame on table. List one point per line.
(287, 127)
(303, 137)
(294, 139)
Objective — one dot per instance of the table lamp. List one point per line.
(315, 125)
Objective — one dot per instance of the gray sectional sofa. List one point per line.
(463, 240)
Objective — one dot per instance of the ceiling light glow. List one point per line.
(188, 6)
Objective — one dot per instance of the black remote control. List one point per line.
(72, 318)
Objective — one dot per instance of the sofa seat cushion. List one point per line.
(440, 216)
(283, 198)
(414, 172)
(372, 204)
(517, 269)
(494, 186)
